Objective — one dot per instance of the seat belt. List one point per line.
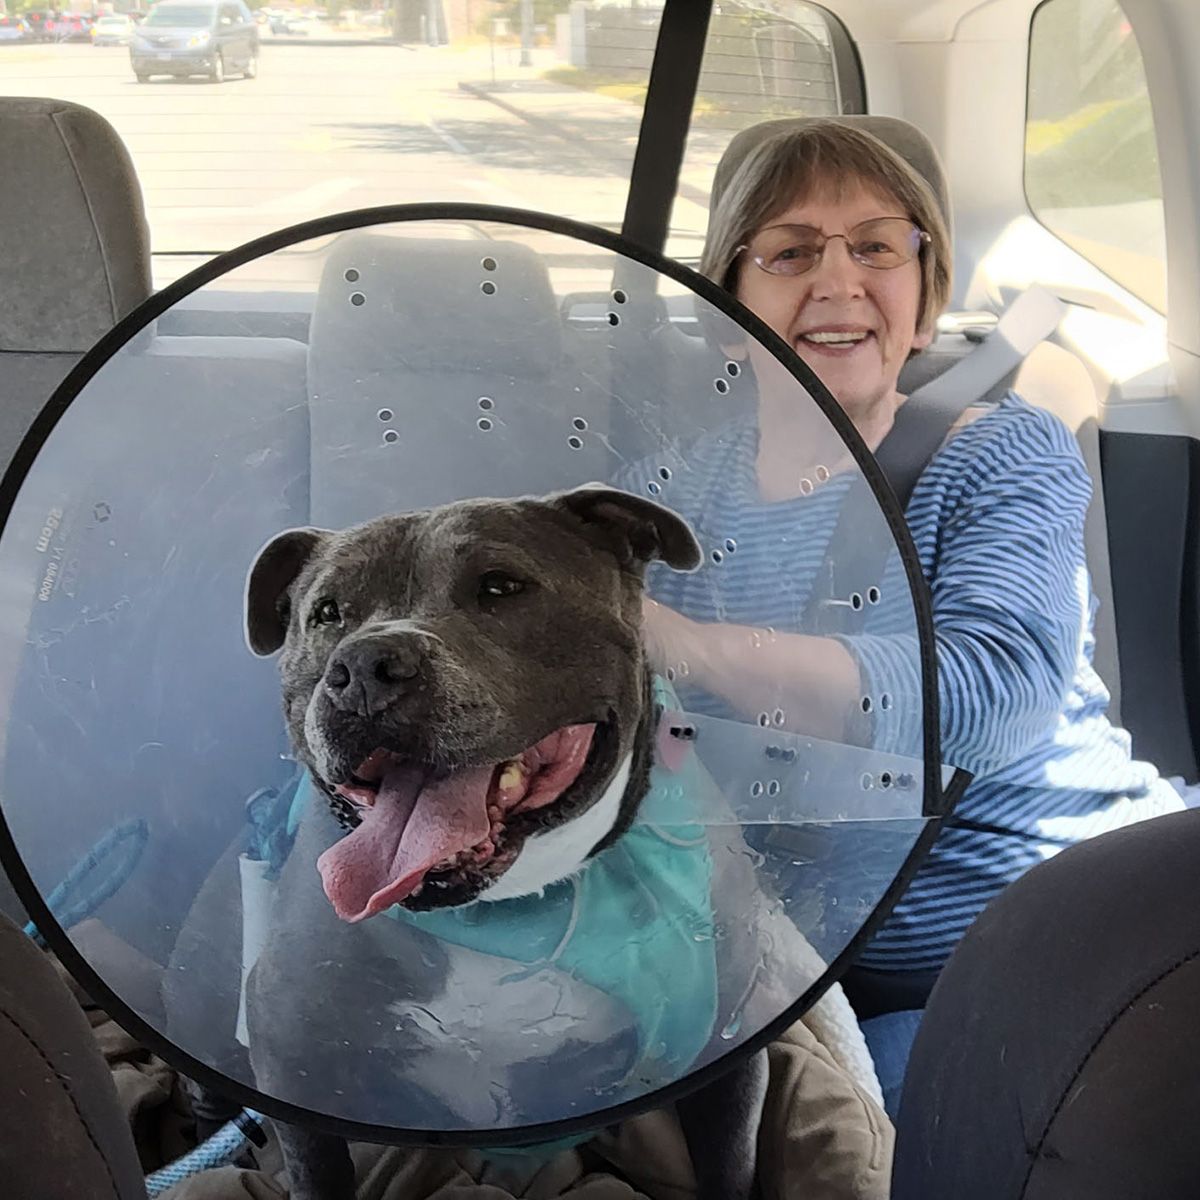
(847, 581)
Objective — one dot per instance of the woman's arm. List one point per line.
(1010, 608)
(814, 681)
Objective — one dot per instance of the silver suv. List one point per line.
(196, 37)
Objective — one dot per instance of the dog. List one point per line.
(468, 690)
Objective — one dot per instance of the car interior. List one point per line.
(1058, 1056)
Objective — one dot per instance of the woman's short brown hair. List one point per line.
(819, 158)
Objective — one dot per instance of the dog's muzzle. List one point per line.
(368, 675)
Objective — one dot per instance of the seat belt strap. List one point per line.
(860, 544)
(924, 420)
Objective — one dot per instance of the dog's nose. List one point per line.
(371, 674)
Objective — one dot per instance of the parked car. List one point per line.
(36, 21)
(68, 27)
(113, 30)
(15, 29)
(182, 37)
(290, 24)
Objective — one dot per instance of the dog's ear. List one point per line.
(640, 530)
(268, 586)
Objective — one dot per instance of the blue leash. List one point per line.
(218, 1150)
(71, 903)
(68, 912)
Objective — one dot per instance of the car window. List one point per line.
(179, 15)
(370, 109)
(781, 59)
(1091, 160)
(443, 102)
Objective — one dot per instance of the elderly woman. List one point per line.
(840, 247)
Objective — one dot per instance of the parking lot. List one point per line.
(328, 127)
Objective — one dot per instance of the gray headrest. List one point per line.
(443, 294)
(901, 137)
(76, 246)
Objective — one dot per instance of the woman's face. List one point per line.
(874, 310)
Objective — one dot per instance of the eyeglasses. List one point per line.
(883, 244)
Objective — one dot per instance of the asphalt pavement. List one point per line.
(330, 126)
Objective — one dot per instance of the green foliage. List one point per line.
(1108, 158)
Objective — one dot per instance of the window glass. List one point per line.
(1091, 161)
(179, 16)
(365, 104)
(770, 59)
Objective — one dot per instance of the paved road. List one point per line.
(326, 128)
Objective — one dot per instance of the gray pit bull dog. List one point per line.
(468, 688)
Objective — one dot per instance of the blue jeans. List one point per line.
(890, 1040)
(1189, 792)
(889, 1005)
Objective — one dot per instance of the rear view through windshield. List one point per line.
(180, 16)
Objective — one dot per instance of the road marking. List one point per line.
(490, 185)
(448, 138)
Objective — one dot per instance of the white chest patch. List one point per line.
(561, 851)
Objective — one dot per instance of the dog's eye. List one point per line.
(494, 584)
(327, 613)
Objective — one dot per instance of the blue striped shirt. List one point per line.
(997, 518)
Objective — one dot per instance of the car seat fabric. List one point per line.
(77, 248)
(1057, 1057)
(64, 1133)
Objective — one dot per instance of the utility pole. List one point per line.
(527, 33)
(435, 23)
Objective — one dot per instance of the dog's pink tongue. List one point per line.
(409, 829)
